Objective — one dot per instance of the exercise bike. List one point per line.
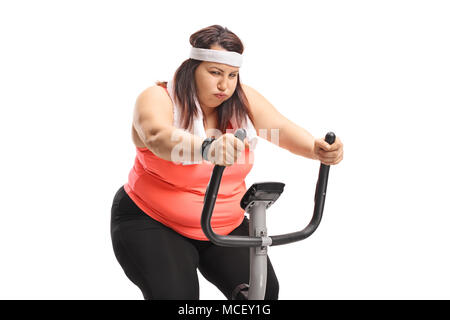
(258, 198)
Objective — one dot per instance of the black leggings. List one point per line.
(163, 263)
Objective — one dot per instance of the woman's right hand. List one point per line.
(225, 150)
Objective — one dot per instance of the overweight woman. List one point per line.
(182, 129)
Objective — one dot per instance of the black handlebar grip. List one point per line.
(330, 138)
(240, 134)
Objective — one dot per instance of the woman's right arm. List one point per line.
(153, 122)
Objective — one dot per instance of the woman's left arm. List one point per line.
(267, 121)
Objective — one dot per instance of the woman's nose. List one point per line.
(222, 85)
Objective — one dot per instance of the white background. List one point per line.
(374, 72)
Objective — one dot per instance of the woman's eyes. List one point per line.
(218, 73)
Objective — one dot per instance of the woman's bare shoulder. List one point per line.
(153, 110)
(155, 96)
(155, 92)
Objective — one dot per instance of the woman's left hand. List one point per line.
(328, 154)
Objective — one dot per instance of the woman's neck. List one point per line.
(209, 112)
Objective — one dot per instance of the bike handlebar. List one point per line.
(249, 241)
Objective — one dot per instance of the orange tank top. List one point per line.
(173, 193)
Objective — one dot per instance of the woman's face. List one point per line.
(213, 78)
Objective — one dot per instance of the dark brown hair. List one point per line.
(184, 83)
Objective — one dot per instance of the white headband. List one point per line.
(221, 56)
